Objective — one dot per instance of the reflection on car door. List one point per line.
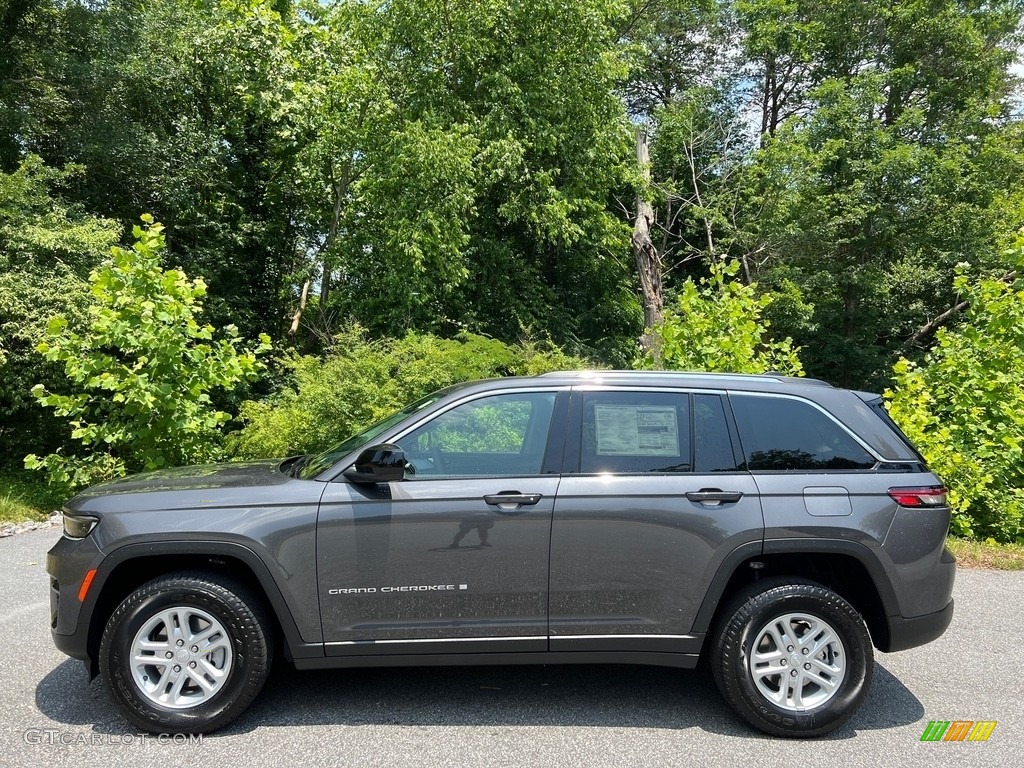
(454, 557)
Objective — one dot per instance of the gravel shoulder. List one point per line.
(12, 529)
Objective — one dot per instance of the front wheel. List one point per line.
(186, 653)
(792, 657)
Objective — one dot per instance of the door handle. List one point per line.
(713, 497)
(510, 501)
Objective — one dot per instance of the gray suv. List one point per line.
(779, 529)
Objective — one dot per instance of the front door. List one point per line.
(455, 556)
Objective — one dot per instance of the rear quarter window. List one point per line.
(781, 433)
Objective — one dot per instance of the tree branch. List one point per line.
(927, 330)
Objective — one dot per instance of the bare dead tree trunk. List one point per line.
(302, 307)
(767, 88)
(340, 191)
(648, 259)
(745, 261)
(691, 158)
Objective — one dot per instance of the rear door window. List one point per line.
(627, 432)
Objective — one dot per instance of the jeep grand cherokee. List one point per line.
(780, 528)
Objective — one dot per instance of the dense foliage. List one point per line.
(361, 381)
(964, 407)
(470, 169)
(140, 369)
(47, 247)
(716, 325)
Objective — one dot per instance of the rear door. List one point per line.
(652, 501)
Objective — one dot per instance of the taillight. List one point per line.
(928, 496)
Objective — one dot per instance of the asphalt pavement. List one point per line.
(569, 716)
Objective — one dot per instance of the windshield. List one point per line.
(323, 461)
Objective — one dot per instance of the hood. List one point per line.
(208, 477)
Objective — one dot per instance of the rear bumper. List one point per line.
(909, 633)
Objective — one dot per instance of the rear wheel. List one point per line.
(792, 657)
(185, 653)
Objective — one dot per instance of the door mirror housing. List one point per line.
(384, 463)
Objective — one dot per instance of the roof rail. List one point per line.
(615, 374)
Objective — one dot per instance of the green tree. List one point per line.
(878, 171)
(141, 369)
(431, 165)
(47, 247)
(458, 159)
(869, 223)
(45, 47)
(674, 47)
(173, 108)
(717, 326)
(963, 406)
(882, 157)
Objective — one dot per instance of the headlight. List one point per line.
(78, 526)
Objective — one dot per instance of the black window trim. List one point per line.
(738, 456)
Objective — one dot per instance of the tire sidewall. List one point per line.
(116, 653)
(760, 610)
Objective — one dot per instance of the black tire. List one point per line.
(747, 619)
(245, 650)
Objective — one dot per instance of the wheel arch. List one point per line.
(129, 567)
(848, 568)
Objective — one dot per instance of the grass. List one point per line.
(987, 554)
(25, 496)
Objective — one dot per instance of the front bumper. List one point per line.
(75, 645)
(909, 633)
(67, 563)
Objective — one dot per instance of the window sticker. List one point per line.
(636, 430)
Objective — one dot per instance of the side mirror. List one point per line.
(384, 463)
